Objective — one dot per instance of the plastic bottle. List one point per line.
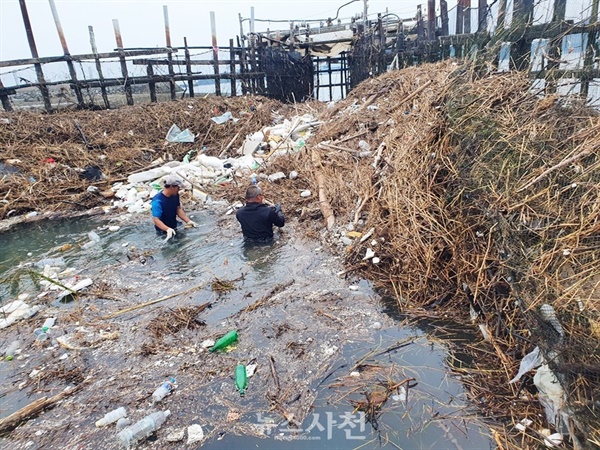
(111, 417)
(123, 422)
(9, 352)
(163, 390)
(253, 179)
(143, 428)
(41, 334)
(49, 322)
(241, 379)
(224, 341)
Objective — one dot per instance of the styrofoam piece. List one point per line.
(148, 175)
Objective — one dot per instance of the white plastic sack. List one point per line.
(550, 393)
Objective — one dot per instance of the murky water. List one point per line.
(430, 414)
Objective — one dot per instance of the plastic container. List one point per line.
(49, 322)
(224, 341)
(9, 352)
(241, 379)
(111, 417)
(41, 334)
(163, 390)
(142, 429)
(123, 422)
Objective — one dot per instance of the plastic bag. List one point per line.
(530, 361)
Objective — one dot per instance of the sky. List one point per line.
(142, 21)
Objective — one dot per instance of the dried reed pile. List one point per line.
(482, 196)
(53, 150)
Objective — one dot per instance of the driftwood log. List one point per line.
(10, 422)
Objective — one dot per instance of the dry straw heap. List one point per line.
(481, 196)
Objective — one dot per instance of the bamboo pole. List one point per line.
(152, 302)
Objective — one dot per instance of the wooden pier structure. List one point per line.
(322, 60)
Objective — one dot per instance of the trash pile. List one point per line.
(201, 171)
(68, 161)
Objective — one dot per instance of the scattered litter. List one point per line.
(530, 361)
(369, 254)
(16, 311)
(111, 417)
(176, 135)
(195, 434)
(176, 436)
(305, 193)
(276, 176)
(225, 117)
(523, 424)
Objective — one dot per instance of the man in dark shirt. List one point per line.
(257, 219)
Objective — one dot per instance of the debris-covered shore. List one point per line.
(460, 194)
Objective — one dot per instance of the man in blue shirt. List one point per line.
(257, 219)
(166, 208)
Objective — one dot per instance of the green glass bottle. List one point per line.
(224, 341)
(241, 379)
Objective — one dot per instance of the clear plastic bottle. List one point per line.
(142, 429)
(163, 390)
(49, 322)
(9, 352)
(111, 417)
(41, 334)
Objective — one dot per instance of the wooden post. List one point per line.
(232, 70)
(316, 62)
(63, 42)
(590, 51)
(330, 78)
(213, 30)
(460, 17)
(431, 19)
(98, 67)
(34, 53)
(501, 13)
(467, 15)
(444, 16)
(560, 7)
(188, 68)
(243, 66)
(151, 82)
(420, 31)
(169, 53)
(5, 100)
(119, 40)
(482, 16)
(521, 48)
